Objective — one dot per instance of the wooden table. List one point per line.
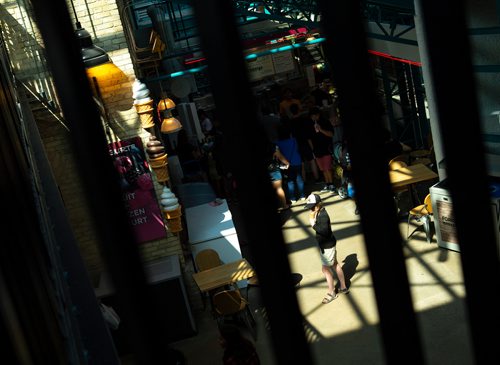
(411, 175)
(222, 275)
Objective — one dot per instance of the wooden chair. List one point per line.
(396, 164)
(207, 259)
(422, 212)
(252, 282)
(402, 158)
(204, 260)
(230, 304)
(424, 156)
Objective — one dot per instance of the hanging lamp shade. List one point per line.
(170, 125)
(165, 104)
(91, 54)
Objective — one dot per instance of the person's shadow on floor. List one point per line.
(349, 267)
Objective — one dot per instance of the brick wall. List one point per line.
(116, 90)
(25, 49)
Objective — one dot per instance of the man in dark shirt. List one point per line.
(320, 141)
(300, 127)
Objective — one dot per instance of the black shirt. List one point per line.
(323, 229)
(322, 144)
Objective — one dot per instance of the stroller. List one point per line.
(343, 162)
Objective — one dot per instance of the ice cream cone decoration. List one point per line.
(172, 210)
(145, 111)
(143, 104)
(158, 159)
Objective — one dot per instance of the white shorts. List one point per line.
(329, 256)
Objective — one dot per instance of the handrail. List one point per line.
(43, 101)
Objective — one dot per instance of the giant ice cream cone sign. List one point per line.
(171, 210)
(143, 104)
(158, 159)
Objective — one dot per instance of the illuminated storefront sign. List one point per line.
(138, 191)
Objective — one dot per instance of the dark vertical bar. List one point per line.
(359, 106)
(384, 66)
(237, 111)
(410, 89)
(445, 32)
(402, 80)
(118, 247)
(423, 123)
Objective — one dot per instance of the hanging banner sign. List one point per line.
(138, 190)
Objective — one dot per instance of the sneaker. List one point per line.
(332, 188)
(344, 291)
(302, 198)
(325, 189)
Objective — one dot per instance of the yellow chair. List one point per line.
(422, 212)
(230, 303)
(207, 259)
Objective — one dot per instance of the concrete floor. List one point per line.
(346, 331)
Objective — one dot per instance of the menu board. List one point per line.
(260, 68)
(283, 62)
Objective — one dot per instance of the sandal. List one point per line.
(329, 297)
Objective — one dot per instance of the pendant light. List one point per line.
(91, 54)
(169, 124)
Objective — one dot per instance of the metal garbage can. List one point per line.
(444, 220)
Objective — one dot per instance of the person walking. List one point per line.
(276, 162)
(327, 243)
(289, 148)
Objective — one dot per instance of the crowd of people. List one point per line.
(306, 146)
(304, 134)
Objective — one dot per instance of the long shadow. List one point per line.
(349, 267)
